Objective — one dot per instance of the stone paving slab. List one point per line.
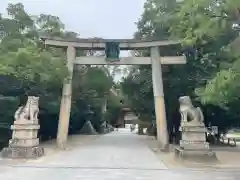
(115, 150)
(112, 174)
(116, 156)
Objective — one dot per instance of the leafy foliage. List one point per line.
(209, 31)
(29, 68)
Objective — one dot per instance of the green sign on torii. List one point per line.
(112, 51)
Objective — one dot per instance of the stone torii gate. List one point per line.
(120, 44)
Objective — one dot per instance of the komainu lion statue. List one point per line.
(189, 113)
(29, 111)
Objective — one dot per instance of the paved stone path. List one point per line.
(116, 156)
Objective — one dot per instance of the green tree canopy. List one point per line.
(27, 67)
(209, 31)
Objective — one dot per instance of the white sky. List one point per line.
(89, 18)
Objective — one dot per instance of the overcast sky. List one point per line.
(90, 18)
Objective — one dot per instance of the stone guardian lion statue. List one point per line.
(29, 111)
(189, 113)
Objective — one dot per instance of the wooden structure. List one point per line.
(123, 44)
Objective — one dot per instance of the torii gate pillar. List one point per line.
(162, 133)
(65, 107)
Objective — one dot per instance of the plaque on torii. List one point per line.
(112, 49)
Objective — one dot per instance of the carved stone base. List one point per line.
(200, 155)
(22, 152)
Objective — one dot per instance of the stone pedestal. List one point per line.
(24, 142)
(193, 145)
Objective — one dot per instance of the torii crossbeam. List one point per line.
(123, 44)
